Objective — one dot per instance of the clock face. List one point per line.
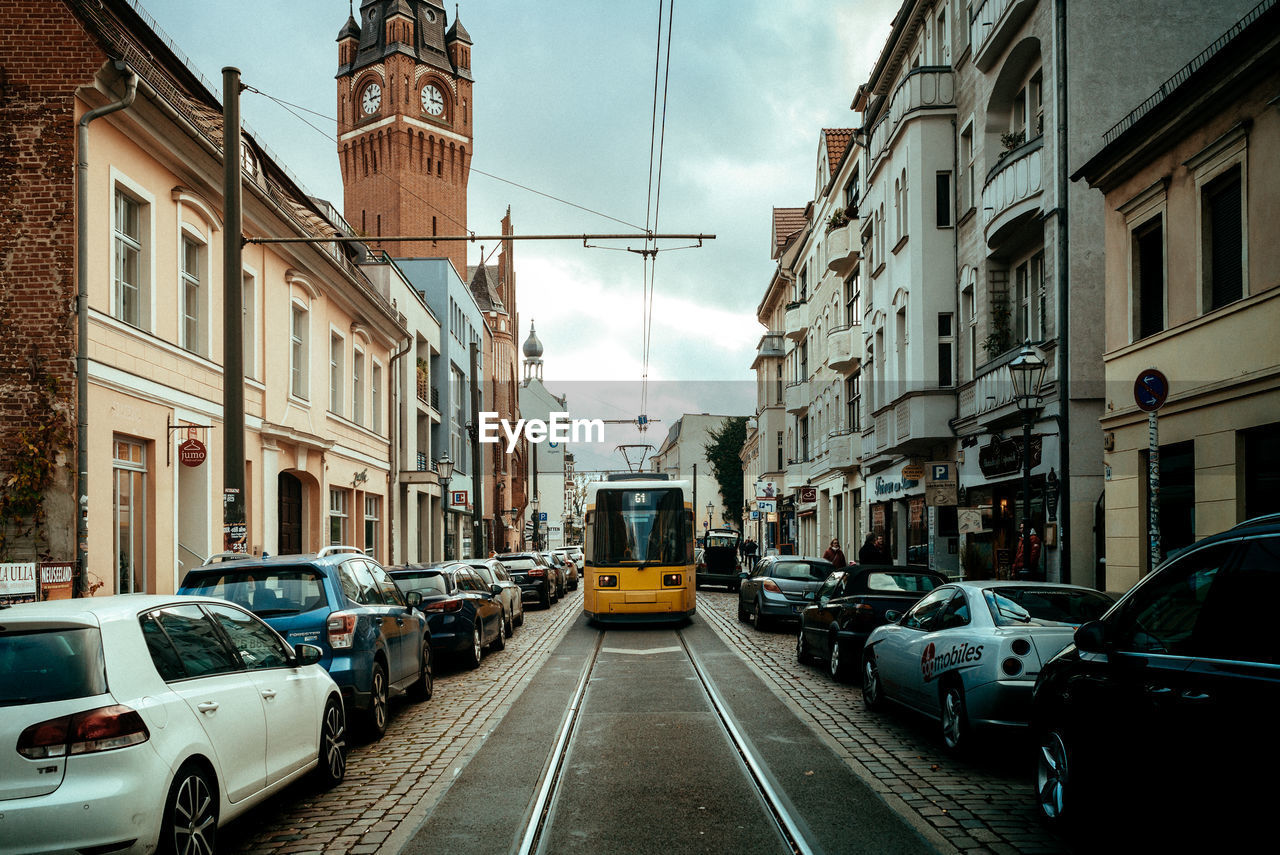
(371, 99)
(432, 100)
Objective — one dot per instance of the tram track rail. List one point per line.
(789, 826)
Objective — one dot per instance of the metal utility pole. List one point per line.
(233, 514)
(477, 519)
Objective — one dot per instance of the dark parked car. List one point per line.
(561, 565)
(536, 578)
(504, 589)
(719, 564)
(775, 589)
(1177, 686)
(851, 603)
(374, 642)
(571, 566)
(460, 608)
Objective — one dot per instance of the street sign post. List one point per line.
(1150, 391)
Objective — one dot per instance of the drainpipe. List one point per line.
(82, 319)
(1064, 336)
(393, 477)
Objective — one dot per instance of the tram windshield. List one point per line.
(643, 527)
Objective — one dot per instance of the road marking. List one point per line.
(646, 652)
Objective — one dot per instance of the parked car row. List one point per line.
(144, 722)
(1161, 699)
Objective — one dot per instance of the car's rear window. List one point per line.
(423, 583)
(801, 570)
(519, 563)
(51, 665)
(1045, 606)
(911, 583)
(265, 592)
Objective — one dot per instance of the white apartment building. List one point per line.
(683, 457)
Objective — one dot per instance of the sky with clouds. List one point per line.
(563, 103)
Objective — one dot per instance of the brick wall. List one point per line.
(44, 56)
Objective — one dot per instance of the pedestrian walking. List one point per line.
(749, 547)
(1028, 566)
(835, 554)
(870, 552)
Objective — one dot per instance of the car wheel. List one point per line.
(1055, 792)
(742, 612)
(520, 617)
(954, 721)
(872, 690)
(190, 813)
(545, 598)
(838, 663)
(421, 690)
(758, 620)
(803, 656)
(508, 625)
(376, 718)
(471, 656)
(332, 767)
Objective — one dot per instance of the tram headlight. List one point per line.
(607, 581)
(671, 580)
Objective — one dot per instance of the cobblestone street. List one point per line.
(971, 805)
(976, 804)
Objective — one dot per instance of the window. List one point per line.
(372, 512)
(1028, 299)
(942, 40)
(457, 440)
(335, 373)
(804, 439)
(924, 613)
(298, 338)
(1223, 237)
(1161, 615)
(129, 515)
(853, 299)
(390, 591)
(184, 637)
(900, 342)
(128, 290)
(1177, 496)
(851, 194)
(969, 306)
(375, 394)
(942, 197)
(946, 349)
(967, 200)
(338, 517)
(253, 640)
(780, 447)
(853, 401)
(1148, 278)
(357, 387)
(248, 332)
(1261, 470)
(192, 296)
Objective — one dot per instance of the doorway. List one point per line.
(290, 519)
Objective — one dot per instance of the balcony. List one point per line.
(771, 346)
(796, 397)
(915, 423)
(1013, 190)
(423, 471)
(992, 389)
(796, 323)
(843, 450)
(844, 348)
(994, 25)
(928, 88)
(843, 248)
(797, 475)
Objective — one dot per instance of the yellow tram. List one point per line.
(638, 550)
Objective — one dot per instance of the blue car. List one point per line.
(461, 608)
(374, 642)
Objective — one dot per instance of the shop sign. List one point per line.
(192, 452)
(888, 488)
(458, 497)
(969, 520)
(808, 494)
(56, 580)
(18, 581)
(1004, 456)
(914, 471)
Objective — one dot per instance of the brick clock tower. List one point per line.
(405, 125)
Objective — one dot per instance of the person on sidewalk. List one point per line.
(1028, 567)
(835, 554)
(870, 552)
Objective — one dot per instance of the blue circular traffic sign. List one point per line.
(1150, 390)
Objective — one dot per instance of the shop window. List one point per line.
(1261, 468)
(1177, 498)
(129, 515)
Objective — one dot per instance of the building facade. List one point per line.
(682, 456)
(1190, 181)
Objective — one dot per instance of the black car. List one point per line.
(1170, 698)
(536, 578)
(461, 610)
(852, 602)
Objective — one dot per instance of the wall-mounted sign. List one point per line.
(891, 486)
(768, 506)
(1004, 456)
(192, 452)
(458, 497)
(808, 494)
(18, 581)
(913, 471)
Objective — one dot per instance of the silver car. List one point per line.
(968, 653)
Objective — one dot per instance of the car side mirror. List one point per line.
(893, 616)
(1092, 637)
(496, 589)
(413, 598)
(743, 574)
(307, 654)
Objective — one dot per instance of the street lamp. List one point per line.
(1027, 372)
(533, 509)
(710, 510)
(444, 469)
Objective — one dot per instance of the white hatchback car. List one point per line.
(140, 723)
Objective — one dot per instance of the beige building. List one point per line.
(1191, 187)
(683, 457)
